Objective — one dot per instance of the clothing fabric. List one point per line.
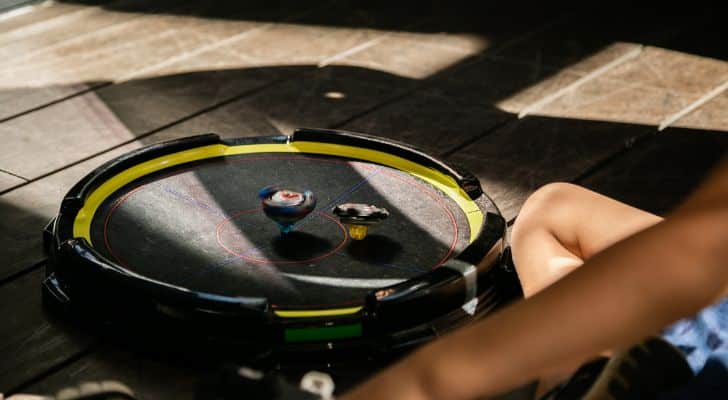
(703, 339)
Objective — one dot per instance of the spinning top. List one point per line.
(286, 207)
(359, 217)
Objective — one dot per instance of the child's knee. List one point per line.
(554, 194)
(553, 200)
(549, 209)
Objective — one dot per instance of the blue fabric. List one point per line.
(703, 339)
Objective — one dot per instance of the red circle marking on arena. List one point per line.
(415, 185)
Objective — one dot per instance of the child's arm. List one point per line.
(631, 290)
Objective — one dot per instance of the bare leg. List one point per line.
(559, 227)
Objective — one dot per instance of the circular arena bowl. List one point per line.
(175, 232)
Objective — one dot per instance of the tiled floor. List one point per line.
(521, 98)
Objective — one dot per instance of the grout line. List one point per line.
(346, 53)
(13, 174)
(629, 144)
(493, 53)
(554, 69)
(342, 123)
(363, 46)
(151, 132)
(71, 41)
(195, 52)
(509, 119)
(148, 133)
(137, 18)
(52, 23)
(54, 63)
(213, 46)
(24, 271)
(416, 85)
(156, 66)
(623, 87)
(586, 78)
(423, 83)
(54, 102)
(669, 120)
(638, 140)
(80, 354)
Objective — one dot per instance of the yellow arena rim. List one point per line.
(445, 183)
(69, 239)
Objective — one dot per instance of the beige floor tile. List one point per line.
(29, 18)
(63, 30)
(7, 181)
(416, 56)
(644, 90)
(671, 71)
(712, 116)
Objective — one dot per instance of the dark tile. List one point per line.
(301, 102)
(30, 342)
(16, 101)
(435, 119)
(657, 174)
(510, 85)
(85, 125)
(147, 104)
(586, 33)
(146, 377)
(516, 160)
(320, 99)
(705, 36)
(140, 44)
(25, 211)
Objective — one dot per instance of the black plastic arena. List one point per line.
(176, 231)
